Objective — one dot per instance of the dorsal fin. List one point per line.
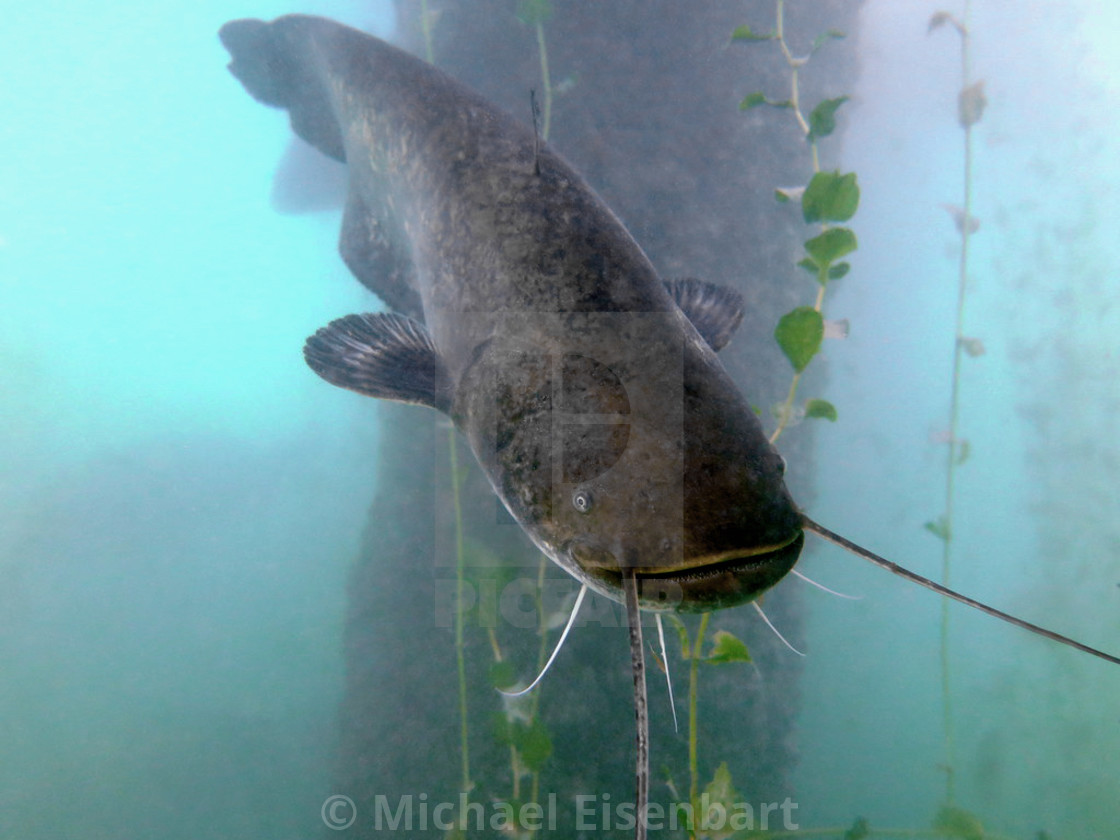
(715, 311)
(385, 355)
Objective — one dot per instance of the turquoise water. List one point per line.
(1036, 526)
(182, 497)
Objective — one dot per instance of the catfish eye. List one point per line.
(781, 465)
(581, 501)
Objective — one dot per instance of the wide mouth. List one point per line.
(713, 563)
(710, 583)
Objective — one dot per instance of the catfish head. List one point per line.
(618, 441)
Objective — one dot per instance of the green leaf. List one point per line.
(831, 245)
(799, 333)
(531, 740)
(835, 272)
(684, 816)
(822, 409)
(721, 801)
(938, 20)
(745, 33)
(784, 194)
(822, 121)
(484, 564)
(682, 633)
(502, 674)
(964, 449)
(860, 829)
(532, 12)
(964, 221)
(809, 265)
(830, 197)
(727, 648)
(957, 822)
(971, 104)
(939, 528)
(824, 38)
(972, 346)
(720, 790)
(533, 743)
(751, 100)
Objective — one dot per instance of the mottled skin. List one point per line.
(604, 421)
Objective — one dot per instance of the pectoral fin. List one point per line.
(385, 355)
(715, 311)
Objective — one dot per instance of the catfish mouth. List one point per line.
(727, 580)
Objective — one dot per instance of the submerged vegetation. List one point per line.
(828, 200)
(970, 107)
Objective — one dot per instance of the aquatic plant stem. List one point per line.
(953, 454)
(542, 628)
(542, 653)
(460, 661)
(785, 411)
(496, 650)
(426, 29)
(795, 83)
(693, 729)
(535, 703)
(546, 81)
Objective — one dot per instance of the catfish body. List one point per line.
(589, 390)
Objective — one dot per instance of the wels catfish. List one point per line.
(589, 389)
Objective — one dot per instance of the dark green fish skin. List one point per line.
(598, 410)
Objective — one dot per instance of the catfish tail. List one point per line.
(279, 65)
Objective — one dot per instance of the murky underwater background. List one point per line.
(181, 497)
